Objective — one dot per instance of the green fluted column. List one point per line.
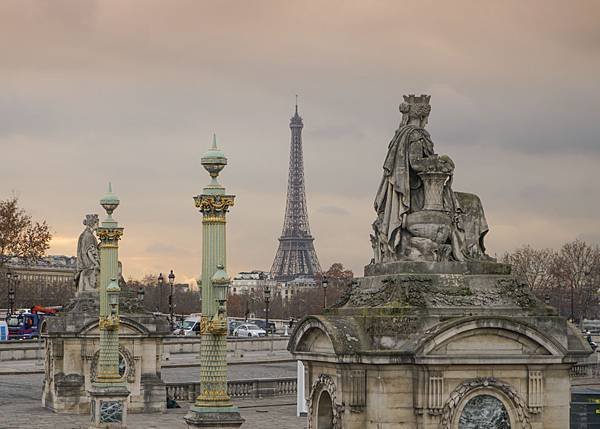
(108, 393)
(109, 234)
(213, 406)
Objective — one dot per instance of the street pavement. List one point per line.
(21, 393)
(20, 408)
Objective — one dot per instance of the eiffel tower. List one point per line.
(296, 256)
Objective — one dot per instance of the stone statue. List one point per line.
(88, 258)
(419, 216)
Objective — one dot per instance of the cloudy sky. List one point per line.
(131, 92)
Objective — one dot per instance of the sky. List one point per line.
(131, 92)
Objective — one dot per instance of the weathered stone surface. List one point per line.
(419, 216)
(88, 257)
(447, 267)
(71, 346)
(435, 322)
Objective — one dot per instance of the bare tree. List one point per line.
(19, 235)
(535, 266)
(577, 268)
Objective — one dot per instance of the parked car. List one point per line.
(231, 325)
(249, 330)
(263, 324)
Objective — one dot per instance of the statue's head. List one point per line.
(415, 110)
(91, 221)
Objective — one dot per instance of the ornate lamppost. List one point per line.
(325, 283)
(109, 392)
(171, 281)
(267, 300)
(161, 281)
(213, 407)
(11, 281)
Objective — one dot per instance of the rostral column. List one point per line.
(213, 407)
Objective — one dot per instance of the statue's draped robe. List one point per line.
(87, 261)
(401, 192)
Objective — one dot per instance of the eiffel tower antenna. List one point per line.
(296, 256)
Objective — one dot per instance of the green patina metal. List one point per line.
(214, 204)
(109, 234)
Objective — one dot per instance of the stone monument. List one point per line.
(213, 407)
(74, 363)
(436, 334)
(88, 259)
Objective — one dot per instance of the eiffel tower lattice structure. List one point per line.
(296, 256)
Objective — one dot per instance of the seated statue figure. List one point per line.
(419, 216)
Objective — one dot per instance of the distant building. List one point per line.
(248, 282)
(50, 270)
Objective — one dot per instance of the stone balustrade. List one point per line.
(174, 344)
(585, 370)
(257, 388)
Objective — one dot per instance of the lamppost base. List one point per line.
(214, 418)
(108, 406)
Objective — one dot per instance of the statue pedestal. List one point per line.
(72, 344)
(108, 406)
(214, 418)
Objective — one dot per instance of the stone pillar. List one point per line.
(213, 407)
(109, 392)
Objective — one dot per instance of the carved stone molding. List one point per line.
(324, 383)
(463, 389)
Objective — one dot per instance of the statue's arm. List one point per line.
(92, 253)
(417, 159)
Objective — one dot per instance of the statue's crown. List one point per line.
(415, 107)
(413, 99)
(91, 219)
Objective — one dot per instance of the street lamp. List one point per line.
(171, 281)
(11, 281)
(140, 294)
(267, 299)
(161, 281)
(324, 283)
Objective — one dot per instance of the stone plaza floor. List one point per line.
(20, 402)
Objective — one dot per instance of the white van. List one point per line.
(191, 326)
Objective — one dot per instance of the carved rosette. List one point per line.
(463, 389)
(214, 207)
(324, 383)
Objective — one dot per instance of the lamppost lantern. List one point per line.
(267, 299)
(113, 291)
(171, 278)
(267, 293)
(325, 282)
(8, 275)
(161, 279)
(140, 294)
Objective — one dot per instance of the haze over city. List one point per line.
(131, 92)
